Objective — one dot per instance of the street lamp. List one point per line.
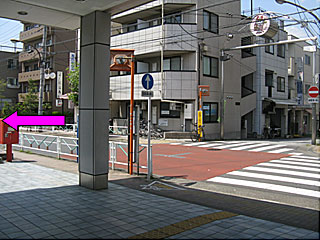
(314, 115)
(42, 66)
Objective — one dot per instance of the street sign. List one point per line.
(313, 91)
(204, 89)
(313, 100)
(147, 81)
(146, 93)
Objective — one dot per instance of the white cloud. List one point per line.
(297, 31)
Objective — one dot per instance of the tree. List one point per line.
(73, 79)
(29, 106)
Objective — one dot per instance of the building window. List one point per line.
(27, 69)
(248, 52)
(35, 66)
(210, 22)
(281, 50)
(307, 59)
(170, 110)
(210, 112)
(210, 66)
(12, 82)
(12, 64)
(173, 19)
(269, 49)
(268, 78)
(172, 64)
(306, 88)
(280, 84)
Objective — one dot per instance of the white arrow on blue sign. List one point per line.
(147, 81)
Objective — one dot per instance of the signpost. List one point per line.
(313, 92)
(147, 83)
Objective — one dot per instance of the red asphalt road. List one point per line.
(197, 163)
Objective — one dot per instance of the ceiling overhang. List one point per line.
(62, 13)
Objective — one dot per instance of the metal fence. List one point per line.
(67, 148)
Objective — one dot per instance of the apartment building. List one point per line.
(300, 75)
(59, 44)
(9, 69)
(182, 53)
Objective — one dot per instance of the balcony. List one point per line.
(147, 40)
(31, 34)
(25, 56)
(26, 76)
(179, 85)
(47, 96)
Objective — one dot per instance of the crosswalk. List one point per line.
(252, 146)
(297, 174)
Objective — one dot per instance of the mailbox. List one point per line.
(8, 135)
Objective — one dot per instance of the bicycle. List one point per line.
(197, 135)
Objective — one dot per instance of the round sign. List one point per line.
(313, 92)
(260, 25)
(46, 76)
(147, 81)
(52, 75)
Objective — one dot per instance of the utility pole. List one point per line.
(42, 67)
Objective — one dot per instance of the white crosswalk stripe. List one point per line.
(281, 150)
(299, 175)
(252, 146)
(265, 148)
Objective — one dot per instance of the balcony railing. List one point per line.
(32, 75)
(47, 96)
(25, 56)
(31, 34)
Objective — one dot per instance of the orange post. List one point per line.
(131, 116)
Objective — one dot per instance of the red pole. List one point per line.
(131, 116)
(9, 152)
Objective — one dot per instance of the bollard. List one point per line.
(9, 152)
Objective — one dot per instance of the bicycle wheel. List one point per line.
(194, 136)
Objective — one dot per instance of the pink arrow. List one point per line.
(14, 120)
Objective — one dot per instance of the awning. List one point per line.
(283, 101)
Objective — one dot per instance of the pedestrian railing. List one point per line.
(67, 148)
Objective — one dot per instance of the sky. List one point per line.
(10, 29)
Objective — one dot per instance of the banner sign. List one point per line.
(59, 83)
(72, 61)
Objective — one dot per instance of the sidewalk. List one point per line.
(40, 198)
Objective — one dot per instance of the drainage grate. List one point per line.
(213, 149)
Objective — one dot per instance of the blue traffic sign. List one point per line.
(147, 81)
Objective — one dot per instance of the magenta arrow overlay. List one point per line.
(14, 120)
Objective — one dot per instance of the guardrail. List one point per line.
(67, 148)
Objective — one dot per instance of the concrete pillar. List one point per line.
(94, 100)
(286, 127)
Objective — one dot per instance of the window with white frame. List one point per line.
(12, 82)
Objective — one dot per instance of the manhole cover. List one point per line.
(213, 149)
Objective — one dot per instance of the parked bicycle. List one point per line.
(197, 135)
(154, 132)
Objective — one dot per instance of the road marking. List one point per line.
(268, 186)
(156, 185)
(211, 145)
(281, 150)
(195, 144)
(315, 158)
(173, 155)
(297, 163)
(276, 178)
(176, 143)
(300, 160)
(250, 146)
(282, 171)
(232, 145)
(295, 153)
(183, 226)
(266, 148)
(290, 167)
